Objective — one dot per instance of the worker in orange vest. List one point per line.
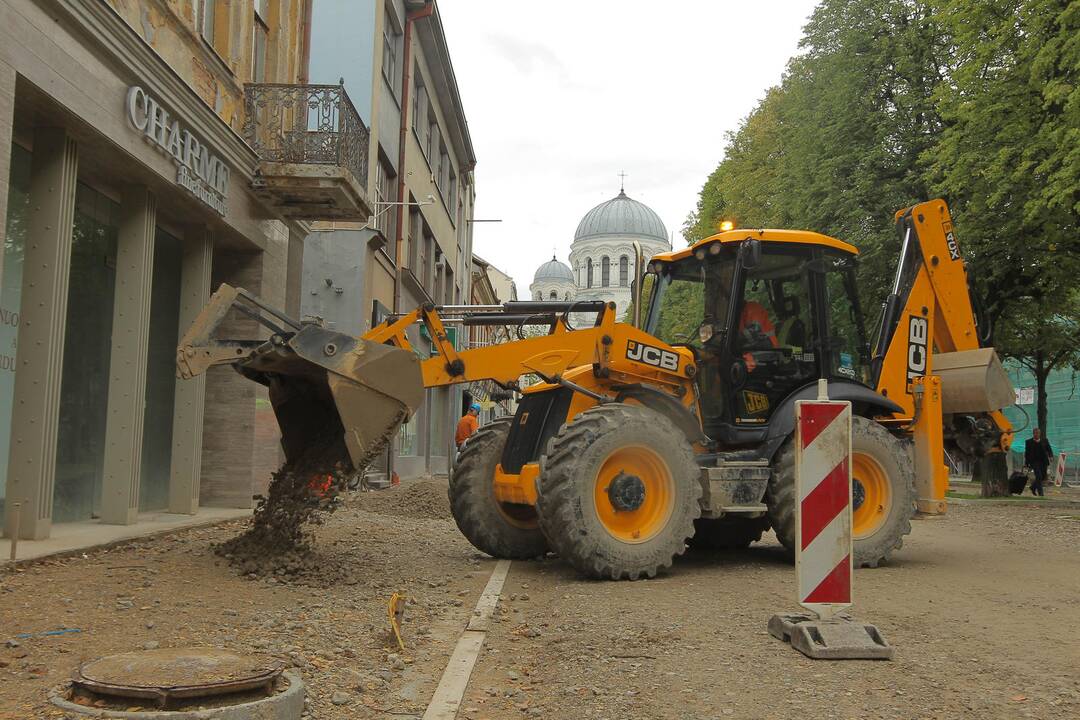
(756, 328)
(467, 425)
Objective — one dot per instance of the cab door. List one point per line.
(774, 346)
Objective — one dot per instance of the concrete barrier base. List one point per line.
(838, 638)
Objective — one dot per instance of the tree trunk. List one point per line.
(1042, 372)
(992, 472)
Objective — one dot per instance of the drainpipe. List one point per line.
(305, 31)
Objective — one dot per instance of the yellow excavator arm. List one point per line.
(326, 385)
(932, 357)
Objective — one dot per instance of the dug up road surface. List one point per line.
(983, 607)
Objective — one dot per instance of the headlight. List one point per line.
(705, 333)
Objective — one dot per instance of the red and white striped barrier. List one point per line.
(1059, 471)
(823, 485)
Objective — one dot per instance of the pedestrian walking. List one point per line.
(467, 425)
(1037, 456)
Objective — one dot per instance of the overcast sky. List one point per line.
(562, 95)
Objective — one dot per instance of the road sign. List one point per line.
(1059, 473)
(823, 523)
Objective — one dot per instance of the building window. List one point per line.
(605, 271)
(415, 234)
(385, 192)
(567, 298)
(260, 34)
(390, 50)
(420, 110)
(624, 271)
(553, 295)
(588, 272)
(204, 19)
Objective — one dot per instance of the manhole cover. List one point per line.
(174, 673)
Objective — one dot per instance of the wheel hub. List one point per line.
(626, 492)
(858, 494)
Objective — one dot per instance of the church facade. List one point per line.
(602, 254)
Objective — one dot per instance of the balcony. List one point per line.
(312, 148)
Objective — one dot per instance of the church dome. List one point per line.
(554, 270)
(623, 216)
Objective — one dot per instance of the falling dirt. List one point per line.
(280, 538)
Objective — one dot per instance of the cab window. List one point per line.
(775, 345)
(848, 352)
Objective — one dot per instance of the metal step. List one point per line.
(739, 509)
(734, 487)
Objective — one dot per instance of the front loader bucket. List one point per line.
(336, 397)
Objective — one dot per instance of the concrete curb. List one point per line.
(1026, 503)
(286, 705)
(72, 552)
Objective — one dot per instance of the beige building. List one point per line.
(417, 245)
(149, 150)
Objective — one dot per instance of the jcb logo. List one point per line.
(950, 241)
(755, 402)
(663, 359)
(918, 337)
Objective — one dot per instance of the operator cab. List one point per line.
(766, 314)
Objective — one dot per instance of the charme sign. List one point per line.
(198, 170)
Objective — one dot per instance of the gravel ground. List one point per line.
(331, 622)
(983, 607)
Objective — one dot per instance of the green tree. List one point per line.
(1008, 158)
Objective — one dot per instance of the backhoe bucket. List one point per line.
(338, 399)
(335, 397)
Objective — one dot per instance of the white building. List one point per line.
(602, 254)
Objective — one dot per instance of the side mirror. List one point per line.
(751, 253)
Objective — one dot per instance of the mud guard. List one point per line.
(864, 401)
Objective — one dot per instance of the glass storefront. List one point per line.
(87, 349)
(161, 373)
(84, 388)
(10, 293)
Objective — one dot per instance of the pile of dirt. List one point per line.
(424, 499)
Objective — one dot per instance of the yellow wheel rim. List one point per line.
(523, 517)
(642, 499)
(871, 495)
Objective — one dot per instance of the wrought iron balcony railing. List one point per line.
(306, 125)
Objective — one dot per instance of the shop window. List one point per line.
(407, 436)
(84, 386)
(161, 373)
(18, 212)
(438, 400)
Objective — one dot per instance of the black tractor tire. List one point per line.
(581, 455)
(500, 531)
(891, 454)
(727, 533)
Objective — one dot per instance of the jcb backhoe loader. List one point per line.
(638, 439)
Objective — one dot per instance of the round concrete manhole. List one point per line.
(183, 683)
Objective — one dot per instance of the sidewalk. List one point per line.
(76, 536)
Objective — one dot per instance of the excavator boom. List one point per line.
(343, 397)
